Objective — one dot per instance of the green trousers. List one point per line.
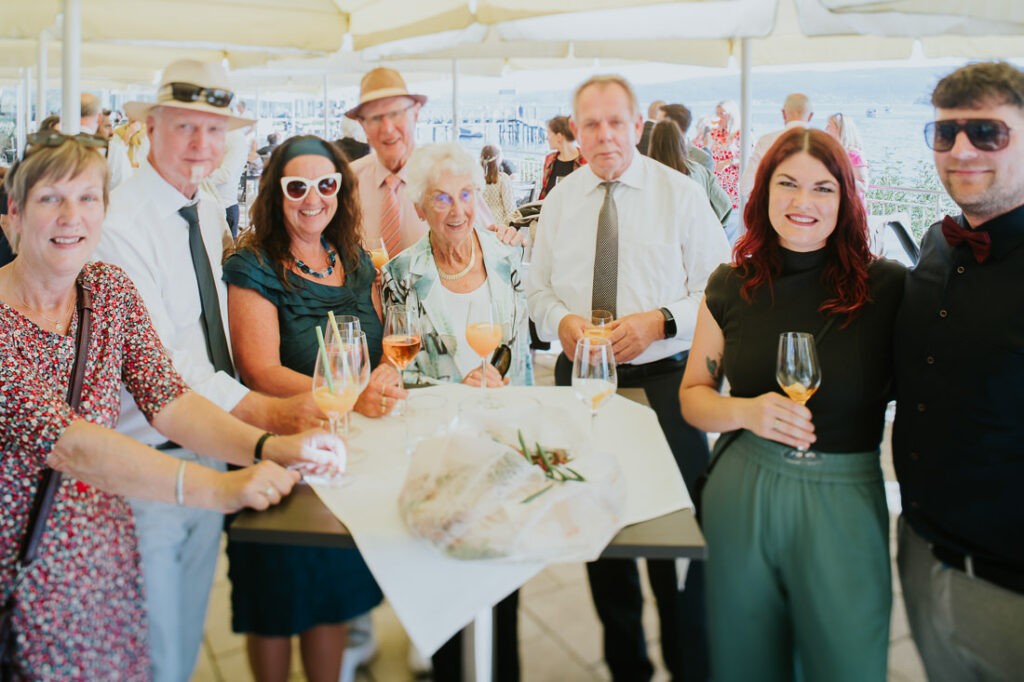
(798, 574)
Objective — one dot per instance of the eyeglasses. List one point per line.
(395, 116)
(53, 138)
(189, 92)
(296, 188)
(985, 134)
(442, 202)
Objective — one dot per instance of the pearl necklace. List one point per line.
(449, 277)
(332, 259)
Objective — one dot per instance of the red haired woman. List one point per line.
(798, 567)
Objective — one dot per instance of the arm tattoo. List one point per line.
(714, 368)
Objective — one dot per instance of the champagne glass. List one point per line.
(799, 374)
(354, 343)
(343, 325)
(401, 340)
(379, 253)
(336, 385)
(599, 321)
(483, 334)
(593, 374)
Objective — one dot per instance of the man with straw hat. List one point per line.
(164, 227)
(388, 113)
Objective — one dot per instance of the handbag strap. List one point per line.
(51, 479)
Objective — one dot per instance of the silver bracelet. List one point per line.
(179, 485)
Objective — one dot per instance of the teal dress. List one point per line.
(283, 590)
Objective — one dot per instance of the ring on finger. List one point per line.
(776, 423)
(269, 491)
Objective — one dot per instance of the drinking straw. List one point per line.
(334, 326)
(324, 359)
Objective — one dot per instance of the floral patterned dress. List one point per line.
(79, 614)
(725, 149)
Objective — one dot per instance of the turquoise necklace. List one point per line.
(332, 259)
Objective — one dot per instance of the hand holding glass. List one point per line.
(379, 254)
(483, 334)
(336, 384)
(799, 374)
(593, 374)
(599, 321)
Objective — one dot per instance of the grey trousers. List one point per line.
(965, 628)
(179, 548)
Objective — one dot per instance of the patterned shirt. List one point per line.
(79, 610)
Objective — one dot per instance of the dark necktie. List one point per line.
(606, 254)
(980, 242)
(213, 326)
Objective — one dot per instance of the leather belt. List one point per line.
(653, 368)
(994, 572)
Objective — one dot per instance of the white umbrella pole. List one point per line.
(745, 104)
(41, 67)
(21, 112)
(71, 60)
(455, 100)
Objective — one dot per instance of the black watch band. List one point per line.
(670, 323)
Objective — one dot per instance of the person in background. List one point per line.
(352, 141)
(681, 116)
(797, 112)
(51, 122)
(721, 139)
(957, 440)
(301, 260)
(798, 543)
(497, 190)
(273, 139)
(844, 130)
(165, 229)
(91, 118)
(228, 174)
(79, 610)
(131, 137)
(667, 146)
(665, 240)
(654, 114)
(105, 128)
(452, 268)
(6, 254)
(565, 158)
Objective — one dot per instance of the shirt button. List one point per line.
(943, 313)
(930, 360)
(916, 456)
(960, 270)
(920, 407)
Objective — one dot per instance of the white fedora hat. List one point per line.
(196, 86)
(381, 83)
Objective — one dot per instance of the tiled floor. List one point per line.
(558, 628)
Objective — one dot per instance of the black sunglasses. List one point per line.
(189, 92)
(53, 138)
(986, 134)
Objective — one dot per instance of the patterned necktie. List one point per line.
(606, 253)
(213, 325)
(392, 215)
(955, 234)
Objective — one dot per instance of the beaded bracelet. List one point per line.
(179, 485)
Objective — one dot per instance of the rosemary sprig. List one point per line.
(539, 456)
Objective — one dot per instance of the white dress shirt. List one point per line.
(144, 235)
(669, 243)
(371, 174)
(760, 148)
(227, 176)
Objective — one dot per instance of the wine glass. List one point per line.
(340, 327)
(379, 254)
(354, 343)
(401, 341)
(593, 374)
(599, 321)
(483, 334)
(799, 374)
(336, 384)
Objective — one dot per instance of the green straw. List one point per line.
(324, 359)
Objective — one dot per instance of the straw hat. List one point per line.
(381, 83)
(208, 75)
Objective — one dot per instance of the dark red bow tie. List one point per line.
(980, 242)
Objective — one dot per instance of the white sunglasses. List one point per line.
(296, 188)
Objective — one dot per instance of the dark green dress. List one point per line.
(279, 590)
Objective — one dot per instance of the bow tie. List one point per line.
(980, 242)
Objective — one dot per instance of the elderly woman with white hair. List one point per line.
(456, 269)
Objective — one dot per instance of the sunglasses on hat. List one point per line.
(189, 92)
(296, 188)
(985, 134)
(53, 138)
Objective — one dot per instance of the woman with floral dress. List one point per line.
(78, 609)
(722, 140)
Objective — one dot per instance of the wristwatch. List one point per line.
(670, 323)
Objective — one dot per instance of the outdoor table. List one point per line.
(303, 519)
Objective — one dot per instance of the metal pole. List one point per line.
(745, 104)
(71, 62)
(41, 68)
(455, 100)
(21, 112)
(327, 114)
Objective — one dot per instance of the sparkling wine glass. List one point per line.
(799, 374)
(401, 340)
(354, 343)
(593, 374)
(336, 385)
(483, 334)
(599, 321)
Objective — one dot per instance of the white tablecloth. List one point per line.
(435, 596)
